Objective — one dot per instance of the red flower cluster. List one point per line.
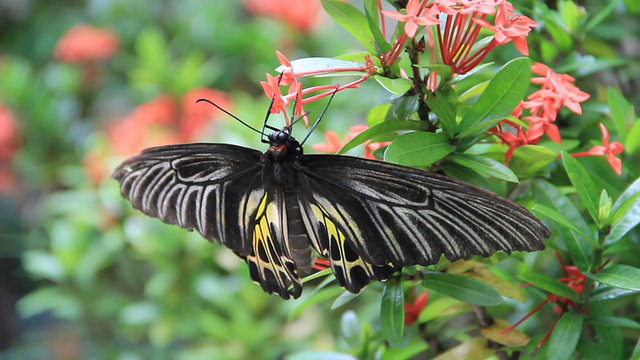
(540, 110)
(84, 43)
(334, 143)
(9, 143)
(302, 15)
(572, 277)
(459, 23)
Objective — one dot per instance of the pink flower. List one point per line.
(85, 43)
(414, 17)
(302, 15)
(608, 149)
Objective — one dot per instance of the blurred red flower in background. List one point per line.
(83, 43)
(9, 143)
(162, 120)
(302, 15)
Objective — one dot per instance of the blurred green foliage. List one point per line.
(98, 280)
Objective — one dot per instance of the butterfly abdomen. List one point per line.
(298, 242)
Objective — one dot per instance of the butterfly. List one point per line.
(277, 210)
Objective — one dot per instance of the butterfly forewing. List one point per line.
(205, 187)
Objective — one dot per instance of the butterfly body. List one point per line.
(277, 209)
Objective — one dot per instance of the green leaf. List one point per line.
(545, 211)
(343, 299)
(385, 128)
(549, 284)
(614, 321)
(504, 92)
(395, 86)
(565, 336)
(355, 22)
(418, 148)
(621, 111)
(49, 299)
(44, 265)
(444, 104)
(583, 184)
(528, 160)
(579, 246)
(604, 207)
(463, 288)
(350, 328)
(392, 311)
(485, 166)
(632, 143)
(606, 293)
(371, 12)
(609, 335)
(403, 108)
(320, 355)
(619, 276)
(626, 212)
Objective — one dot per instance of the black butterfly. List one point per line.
(277, 209)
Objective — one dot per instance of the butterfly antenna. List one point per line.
(315, 124)
(266, 116)
(230, 114)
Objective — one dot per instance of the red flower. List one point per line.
(302, 15)
(194, 118)
(572, 277)
(85, 43)
(413, 309)
(9, 143)
(510, 27)
(608, 149)
(414, 17)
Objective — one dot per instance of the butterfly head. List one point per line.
(282, 143)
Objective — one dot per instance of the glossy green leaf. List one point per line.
(545, 211)
(620, 276)
(385, 128)
(418, 149)
(403, 108)
(604, 206)
(632, 143)
(583, 184)
(485, 166)
(395, 86)
(610, 339)
(507, 88)
(354, 21)
(392, 311)
(410, 351)
(614, 321)
(626, 212)
(444, 104)
(463, 288)
(606, 293)
(621, 111)
(320, 355)
(528, 160)
(579, 246)
(371, 12)
(549, 284)
(565, 336)
(343, 299)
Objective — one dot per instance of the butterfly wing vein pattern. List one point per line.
(368, 218)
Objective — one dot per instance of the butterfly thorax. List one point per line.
(284, 151)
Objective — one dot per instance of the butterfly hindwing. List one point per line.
(270, 263)
(325, 222)
(401, 216)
